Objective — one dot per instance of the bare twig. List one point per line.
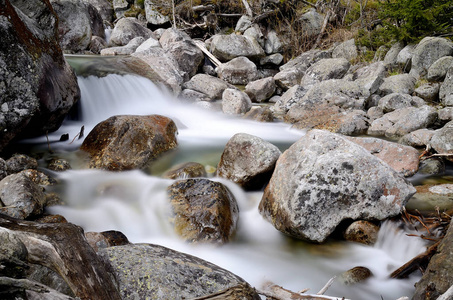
(326, 287)
(323, 28)
(247, 8)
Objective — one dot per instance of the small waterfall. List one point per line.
(136, 204)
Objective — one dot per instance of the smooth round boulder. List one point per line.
(235, 102)
(186, 170)
(239, 70)
(227, 47)
(248, 161)
(442, 140)
(203, 210)
(126, 29)
(129, 142)
(363, 232)
(427, 52)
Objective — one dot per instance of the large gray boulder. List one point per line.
(248, 161)
(104, 7)
(126, 29)
(203, 210)
(37, 85)
(120, 7)
(390, 59)
(442, 140)
(126, 49)
(235, 102)
(74, 25)
(290, 98)
(370, 77)
(323, 179)
(347, 50)
(261, 90)
(427, 52)
(446, 89)
(395, 101)
(227, 47)
(403, 121)
(328, 68)
(239, 70)
(404, 58)
(401, 83)
(311, 23)
(211, 86)
(20, 197)
(162, 273)
(164, 65)
(153, 16)
(184, 51)
(438, 70)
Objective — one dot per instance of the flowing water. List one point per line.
(135, 203)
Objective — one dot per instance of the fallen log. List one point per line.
(419, 262)
(63, 248)
(277, 292)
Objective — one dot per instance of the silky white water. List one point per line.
(135, 203)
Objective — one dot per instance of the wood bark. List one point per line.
(63, 248)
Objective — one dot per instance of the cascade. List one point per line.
(135, 203)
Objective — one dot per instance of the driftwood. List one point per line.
(419, 262)
(211, 57)
(63, 248)
(323, 29)
(240, 291)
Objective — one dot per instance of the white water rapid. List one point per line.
(135, 203)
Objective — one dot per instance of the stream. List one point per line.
(135, 202)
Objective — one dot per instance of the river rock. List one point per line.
(331, 118)
(153, 16)
(428, 92)
(427, 52)
(203, 210)
(74, 24)
(438, 277)
(120, 7)
(261, 90)
(184, 51)
(20, 162)
(403, 159)
(390, 59)
(58, 165)
(289, 99)
(126, 49)
(239, 70)
(401, 83)
(162, 273)
(311, 23)
(185, 170)
(126, 29)
(13, 255)
(430, 197)
(446, 89)
(97, 44)
(272, 44)
(105, 239)
(327, 68)
(129, 142)
(20, 197)
(260, 114)
(374, 113)
(347, 50)
(403, 121)
(209, 85)
(248, 161)
(227, 47)
(292, 72)
(104, 7)
(235, 102)
(164, 65)
(188, 95)
(323, 179)
(354, 275)
(404, 58)
(438, 70)
(149, 43)
(417, 138)
(363, 232)
(244, 23)
(254, 33)
(38, 87)
(395, 101)
(370, 77)
(445, 114)
(442, 140)
(432, 166)
(272, 60)
(3, 169)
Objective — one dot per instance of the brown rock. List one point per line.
(355, 275)
(429, 197)
(363, 232)
(129, 142)
(204, 210)
(403, 159)
(185, 170)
